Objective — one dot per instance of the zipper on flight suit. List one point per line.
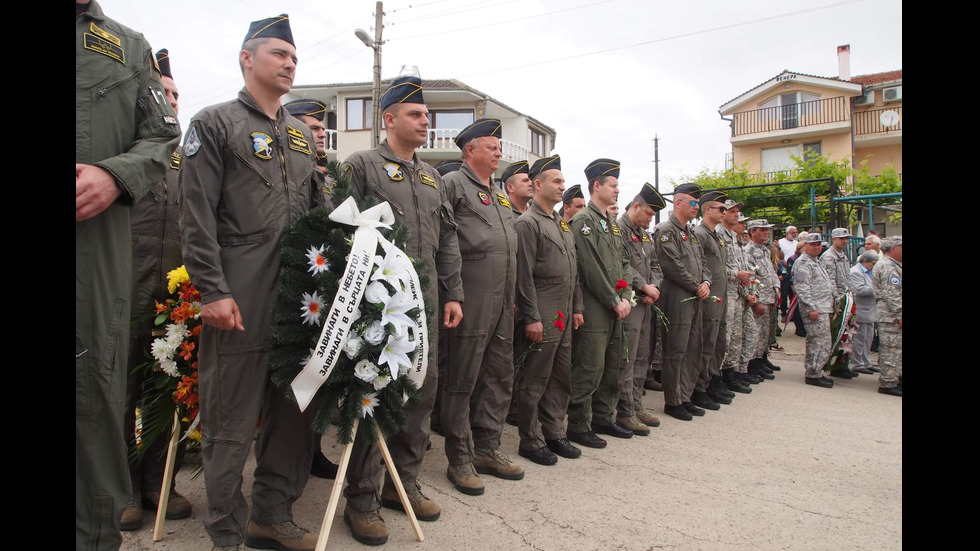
(282, 165)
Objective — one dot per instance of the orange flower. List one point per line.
(186, 350)
(195, 332)
(183, 312)
(161, 308)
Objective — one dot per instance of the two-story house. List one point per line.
(841, 118)
(452, 106)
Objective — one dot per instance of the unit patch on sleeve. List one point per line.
(666, 236)
(586, 230)
(192, 143)
(894, 280)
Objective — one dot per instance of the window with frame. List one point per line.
(359, 111)
(789, 105)
(456, 119)
(538, 141)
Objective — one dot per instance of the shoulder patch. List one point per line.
(586, 230)
(563, 224)
(175, 159)
(394, 171)
(502, 199)
(666, 236)
(260, 145)
(894, 280)
(193, 142)
(427, 180)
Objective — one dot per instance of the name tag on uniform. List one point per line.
(563, 224)
(427, 180)
(175, 160)
(502, 199)
(645, 237)
(615, 229)
(103, 42)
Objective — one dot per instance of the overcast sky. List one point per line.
(607, 75)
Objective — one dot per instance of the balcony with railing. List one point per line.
(331, 141)
(794, 116)
(441, 140)
(876, 122)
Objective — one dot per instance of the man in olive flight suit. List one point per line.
(311, 112)
(598, 346)
(125, 132)
(685, 276)
(479, 360)
(518, 186)
(247, 175)
(394, 173)
(645, 282)
(546, 280)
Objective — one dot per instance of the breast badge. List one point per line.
(563, 224)
(260, 144)
(394, 172)
(484, 198)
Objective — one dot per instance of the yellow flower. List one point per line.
(176, 277)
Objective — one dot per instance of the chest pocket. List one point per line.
(262, 169)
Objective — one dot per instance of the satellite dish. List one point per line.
(888, 118)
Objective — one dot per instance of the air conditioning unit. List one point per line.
(867, 99)
(892, 94)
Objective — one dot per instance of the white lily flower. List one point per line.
(395, 354)
(396, 310)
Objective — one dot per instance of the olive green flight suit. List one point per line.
(598, 346)
(124, 125)
(546, 282)
(714, 323)
(639, 324)
(479, 362)
(244, 179)
(418, 198)
(684, 270)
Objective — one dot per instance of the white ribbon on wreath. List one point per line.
(357, 274)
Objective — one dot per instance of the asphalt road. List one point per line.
(789, 466)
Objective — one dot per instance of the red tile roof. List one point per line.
(875, 78)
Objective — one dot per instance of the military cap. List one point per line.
(601, 167)
(691, 189)
(273, 27)
(163, 62)
(889, 243)
(840, 232)
(758, 223)
(649, 195)
(731, 204)
(742, 218)
(407, 89)
(713, 195)
(813, 238)
(515, 168)
(571, 193)
(309, 107)
(445, 167)
(546, 163)
(479, 129)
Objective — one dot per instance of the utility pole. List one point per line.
(656, 168)
(376, 89)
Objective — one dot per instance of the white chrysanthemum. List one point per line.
(169, 367)
(395, 354)
(381, 381)
(376, 293)
(366, 371)
(375, 333)
(353, 346)
(176, 332)
(318, 262)
(368, 403)
(162, 350)
(312, 304)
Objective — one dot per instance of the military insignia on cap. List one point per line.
(427, 180)
(894, 280)
(394, 172)
(484, 197)
(563, 224)
(665, 237)
(192, 143)
(684, 235)
(502, 199)
(634, 237)
(260, 144)
(615, 228)
(175, 159)
(586, 230)
(604, 225)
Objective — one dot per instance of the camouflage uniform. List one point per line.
(838, 269)
(814, 291)
(759, 256)
(886, 278)
(736, 298)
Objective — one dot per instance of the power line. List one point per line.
(665, 39)
(457, 12)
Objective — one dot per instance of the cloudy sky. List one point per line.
(608, 75)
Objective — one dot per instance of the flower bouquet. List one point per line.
(350, 325)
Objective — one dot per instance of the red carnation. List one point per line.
(621, 284)
(560, 315)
